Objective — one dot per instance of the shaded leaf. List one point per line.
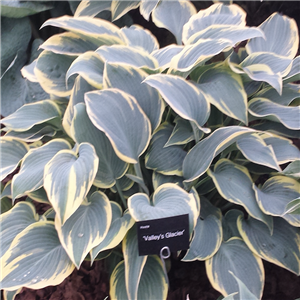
(165, 160)
(289, 116)
(280, 248)
(172, 15)
(235, 256)
(199, 158)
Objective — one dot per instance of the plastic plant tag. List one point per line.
(171, 232)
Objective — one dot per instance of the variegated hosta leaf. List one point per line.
(36, 133)
(293, 207)
(289, 116)
(31, 174)
(6, 190)
(99, 29)
(70, 43)
(50, 71)
(275, 194)
(198, 53)
(181, 134)
(14, 221)
(118, 228)
(232, 33)
(127, 55)
(290, 92)
(35, 259)
(138, 37)
(206, 240)
(276, 128)
(165, 160)
(294, 74)
(129, 79)
(216, 14)
(293, 169)
(183, 97)
(243, 293)
(168, 200)
(234, 255)
(172, 15)
(146, 7)
(121, 118)
(165, 55)
(77, 96)
(234, 183)
(89, 66)
(152, 284)
(14, 151)
(277, 63)
(284, 149)
(229, 224)
(224, 89)
(282, 41)
(280, 248)
(110, 165)
(119, 8)
(32, 114)
(68, 176)
(134, 263)
(86, 228)
(263, 73)
(39, 195)
(10, 295)
(159, 179)
(91, 8)
(5, 204)
(255, 149)
(199, 158)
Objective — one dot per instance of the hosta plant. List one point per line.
(133, 132)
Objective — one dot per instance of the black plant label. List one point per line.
(172, 232)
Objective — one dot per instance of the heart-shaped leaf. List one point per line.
(118, 228)
(68, 177)
(168, 200)
(31, 174)
(86, 228)
(35, 259)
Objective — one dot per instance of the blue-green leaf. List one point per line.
(121, 118)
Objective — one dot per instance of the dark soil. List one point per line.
(92, 283)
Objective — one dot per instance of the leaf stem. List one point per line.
(139, 174)
(117, 185)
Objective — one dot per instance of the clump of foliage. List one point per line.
(132, 132)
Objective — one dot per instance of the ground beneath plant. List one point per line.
(92, 283)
